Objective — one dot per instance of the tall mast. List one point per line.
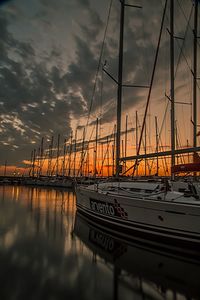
(172, 86)
(102, 159)
(119, 91)
(34, 154)
(108, 156)
(113, 159)
(136, 137)
(82, 152)
(50, 156)
(122, 148)
(57, 156)
(31, 163)
(157, 144)
(38, 162)
(5, 167)
(41, 155)
(145, 148)
(96, 149)
(64, 157)
(70, 154)
(87, 172)
(126, 130)
(48, 166)
(67, 159)
(176, 139)
(114, 143)
(195, 73)
(75, 153)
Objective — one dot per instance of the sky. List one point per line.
(49, 55)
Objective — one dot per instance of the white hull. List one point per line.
(158, 218)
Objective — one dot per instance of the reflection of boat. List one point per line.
(160, 267)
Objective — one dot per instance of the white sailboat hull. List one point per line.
(157, 218)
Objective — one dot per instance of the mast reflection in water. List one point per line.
(49, 252)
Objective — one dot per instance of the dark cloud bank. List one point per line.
(38, 99)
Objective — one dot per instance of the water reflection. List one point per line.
(35, 243)
(49, 252)
(151, 272)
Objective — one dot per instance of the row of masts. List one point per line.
(172, 88)
(96, 157)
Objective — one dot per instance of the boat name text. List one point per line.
(110, 209)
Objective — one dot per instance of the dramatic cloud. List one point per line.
(49, 54)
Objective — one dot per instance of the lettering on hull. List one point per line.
(110, 209)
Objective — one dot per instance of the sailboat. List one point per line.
(155, 209)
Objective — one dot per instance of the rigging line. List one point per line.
(85, 150)
(145, 50)
(101, 103)
(151, 84)
(183, 44)
(143, 144)
(186, 17)
(164, 118)
(198, 86)
(162, 149)
(44, 158)
(107, 151)
(99, 64)
(179, 141)
(159, 139)
(181, 52)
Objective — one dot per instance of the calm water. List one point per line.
(48, 252)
